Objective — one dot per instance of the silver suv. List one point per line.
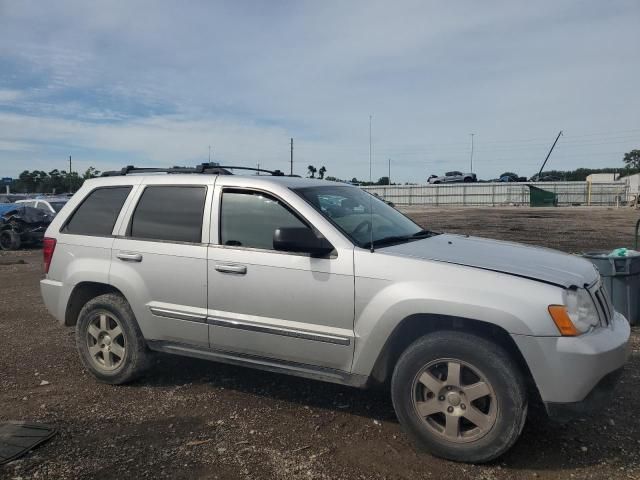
(322, 280)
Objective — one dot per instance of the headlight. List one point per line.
(577, 315)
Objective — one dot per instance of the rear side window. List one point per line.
(97, 214)
(169, 213)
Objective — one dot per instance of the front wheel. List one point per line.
(9, 240)
(459, 396)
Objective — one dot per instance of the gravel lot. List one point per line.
(193, 419)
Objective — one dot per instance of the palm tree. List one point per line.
(312, 171)
(322, 171)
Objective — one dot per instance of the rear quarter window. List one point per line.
(98, 212)
(169, 213)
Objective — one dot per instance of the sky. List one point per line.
(155, 83)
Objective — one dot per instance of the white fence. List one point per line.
(497, 194)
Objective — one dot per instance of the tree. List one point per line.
(632, 159)
(321, 172)
(91, 172)
(383, 181)
(312, 171)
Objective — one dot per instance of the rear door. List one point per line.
(159, 259)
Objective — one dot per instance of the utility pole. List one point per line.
(549, 154)
(291, 172)
(70, 179)
(389, 177)
(258, 172)
(209, 153)
(370, 150)
(472, 134)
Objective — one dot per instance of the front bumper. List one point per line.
(596, 400)
(567, 369)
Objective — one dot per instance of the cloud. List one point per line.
(157, 82)
(9, 96)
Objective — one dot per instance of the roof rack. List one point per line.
(208, 168)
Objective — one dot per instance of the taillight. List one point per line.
(48, 247)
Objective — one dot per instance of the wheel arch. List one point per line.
(415, 326)
(81, 294)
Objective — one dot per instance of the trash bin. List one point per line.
(621, 277)
(542, 198)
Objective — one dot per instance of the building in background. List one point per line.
(602, 177)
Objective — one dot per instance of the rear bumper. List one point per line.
(51, 292)
(567, 369)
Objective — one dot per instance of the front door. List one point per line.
(273, 304)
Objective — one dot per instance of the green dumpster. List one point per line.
(542, 198)
(621, 278)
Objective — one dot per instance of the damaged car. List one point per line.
(21, 225)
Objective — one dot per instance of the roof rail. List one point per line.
(209, 168)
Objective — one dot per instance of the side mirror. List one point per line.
(301, 240)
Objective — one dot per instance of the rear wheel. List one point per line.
(459, 397)
(9, 240)
(109, 341)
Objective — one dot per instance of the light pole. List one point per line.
(389, 177)
(370, 150)
(472, 134)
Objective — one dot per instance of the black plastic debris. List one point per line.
(17, 438)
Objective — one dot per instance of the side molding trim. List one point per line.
(285, 332)
(168, 313)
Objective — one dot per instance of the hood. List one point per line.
(537, 263)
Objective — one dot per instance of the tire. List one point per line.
(468, 180)
(109, 340)
(499, 406)
(9, 240)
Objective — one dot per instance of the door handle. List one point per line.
(129, 257)
(230, 268)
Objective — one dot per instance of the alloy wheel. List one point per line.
(454, 400)
(105, 341)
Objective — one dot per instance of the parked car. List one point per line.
(21, 225)
(453, 177)
(49, 204)
(322, 280)
(545, 178)
(512, 178)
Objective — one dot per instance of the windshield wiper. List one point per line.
(424, 234)
(400, 238)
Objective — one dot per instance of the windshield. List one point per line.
(350, 208)
(57, 206)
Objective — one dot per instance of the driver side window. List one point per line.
(249, 218)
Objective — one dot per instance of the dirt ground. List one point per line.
(194, 419)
